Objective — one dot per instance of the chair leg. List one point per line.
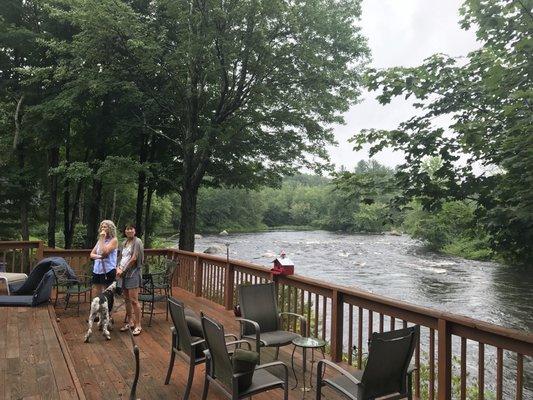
(79, 304)
(151, 313)
(67, 299)
(206, 387)
(277, 353)
(189, 380)
(170, 365)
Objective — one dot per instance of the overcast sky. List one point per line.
(399, 33)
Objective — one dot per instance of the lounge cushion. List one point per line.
(7, 301)
(40, 295)
(37, 273)
(244, 361)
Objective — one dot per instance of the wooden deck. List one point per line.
(106, 368)
(34, 359)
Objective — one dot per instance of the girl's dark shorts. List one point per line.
(105, 279)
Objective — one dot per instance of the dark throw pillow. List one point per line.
(244, 361)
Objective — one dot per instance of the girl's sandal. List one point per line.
(137, 331)
(125, 328)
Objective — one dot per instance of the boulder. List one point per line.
(197, 236)
(212, 250)
(224, 233)
(395, 233)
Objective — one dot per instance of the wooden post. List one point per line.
(198, 277)
(229, 286)
(39, 253)
(337, 319)
(444, 352)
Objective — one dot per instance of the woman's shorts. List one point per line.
(104, 279)
(133, 281)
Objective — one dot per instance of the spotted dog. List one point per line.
(101, 307)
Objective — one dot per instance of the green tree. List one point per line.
(247, 88)
(488, 97)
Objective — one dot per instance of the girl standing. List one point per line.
(129, 270)
(104, 255)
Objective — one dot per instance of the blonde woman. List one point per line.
(129, 270)
(104, 255)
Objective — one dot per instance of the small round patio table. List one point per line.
(306, 343)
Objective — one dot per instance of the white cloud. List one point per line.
(400, 33)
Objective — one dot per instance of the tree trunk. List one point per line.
(53, 162)
(71, 225)
(19, 150)
(148, 219)
(189, 196)
(114, 205)
(24, 221)
(94, 213)
(141, 183)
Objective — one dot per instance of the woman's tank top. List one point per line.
(107, 264)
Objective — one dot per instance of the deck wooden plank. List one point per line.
(51, 361)
(106, 368)
(32, 364)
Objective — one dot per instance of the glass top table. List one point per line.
(309, 342)
(306, 343)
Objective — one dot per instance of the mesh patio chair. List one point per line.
(221, 368)
(66, 282)
(387, 373)
(261, 320)
(187, 340)
(163, 280)
(148, 295)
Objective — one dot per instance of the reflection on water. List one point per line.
(398, 267)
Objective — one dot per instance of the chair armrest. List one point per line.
(263, 366)
(276, 364)
(320, 369)
(303, 321)
(236, 342)
(231, 335)
(257, 329)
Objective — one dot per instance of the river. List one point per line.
(400, 268)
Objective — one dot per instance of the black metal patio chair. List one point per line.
(387, 373)
(148, 295)
(163, 279)
(227, 373)
(261, 320)
(187, 339)
(66, 282)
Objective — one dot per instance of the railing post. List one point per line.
(229, 286)
(444, 353)
(198, 277)
(39, 253)
(337, 319)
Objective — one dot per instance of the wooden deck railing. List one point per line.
(455, 356)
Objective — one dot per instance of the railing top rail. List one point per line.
(21, 244)
(462, 325)
(468, 322)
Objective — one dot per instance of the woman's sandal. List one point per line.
(137, 331)
(125, 328)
